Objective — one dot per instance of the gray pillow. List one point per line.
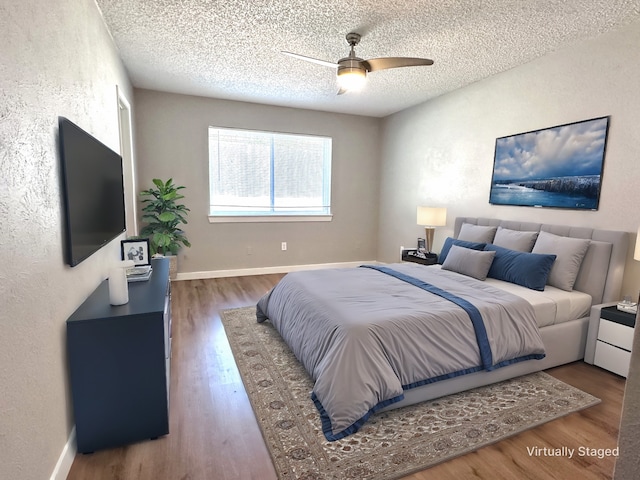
(473, 263)
(476, 233)
(569, 254)
(595, 260)
(515, 240)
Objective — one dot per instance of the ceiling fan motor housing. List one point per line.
(351, 65)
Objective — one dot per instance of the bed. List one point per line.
(508, 298)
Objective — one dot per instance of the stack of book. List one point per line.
(139, 273)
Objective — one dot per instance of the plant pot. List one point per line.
(173, 266)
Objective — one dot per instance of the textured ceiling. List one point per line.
(231, 49)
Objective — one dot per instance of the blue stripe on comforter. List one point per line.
(472, 311)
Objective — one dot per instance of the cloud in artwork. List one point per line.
(567, 150)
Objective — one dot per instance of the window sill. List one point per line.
(268, 218)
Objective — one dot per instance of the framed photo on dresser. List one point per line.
(136, 250)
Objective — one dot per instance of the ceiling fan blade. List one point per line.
(374, 64)
(312, 60)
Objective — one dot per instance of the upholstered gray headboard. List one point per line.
(602, 268)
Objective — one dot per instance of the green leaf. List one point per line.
(169, 196)
(166, 216)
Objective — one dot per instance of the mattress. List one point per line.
(552, 306)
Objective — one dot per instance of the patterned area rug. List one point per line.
(391, 444)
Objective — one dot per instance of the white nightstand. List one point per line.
(613, 339)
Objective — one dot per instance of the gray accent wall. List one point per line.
(57, 59)
(172, 141)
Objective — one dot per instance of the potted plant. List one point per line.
(163, 216)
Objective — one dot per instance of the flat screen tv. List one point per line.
(93, 192)
(558, 167)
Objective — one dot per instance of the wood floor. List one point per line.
(214, 434)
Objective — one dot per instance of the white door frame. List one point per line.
(128, 163)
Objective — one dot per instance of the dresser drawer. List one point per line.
(611, 358)
(615, 334)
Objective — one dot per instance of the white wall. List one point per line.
(57, 59)
(441, 153)
(172, 141)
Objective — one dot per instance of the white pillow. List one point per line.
(569, 254)
(476, 233)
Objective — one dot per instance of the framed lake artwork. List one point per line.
(558, 167)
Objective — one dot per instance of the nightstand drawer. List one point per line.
(612, 358)
(615, 334)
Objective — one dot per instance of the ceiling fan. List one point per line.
(352, 70)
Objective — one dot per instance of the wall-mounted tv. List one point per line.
(558, 167)
(92, 190)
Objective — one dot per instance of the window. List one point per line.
(254, 173)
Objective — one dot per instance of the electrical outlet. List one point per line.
(249, 250)
(283, 246)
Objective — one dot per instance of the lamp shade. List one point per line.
(352, 79)
(636, 253)
(432, 216)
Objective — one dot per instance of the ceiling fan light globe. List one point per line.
(352, 79)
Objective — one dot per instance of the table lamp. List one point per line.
(431, 217)
(628, 304)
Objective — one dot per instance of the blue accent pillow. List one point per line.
(529, 270)
(460, 243)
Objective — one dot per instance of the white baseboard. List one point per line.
(65, 461)
(242, 272)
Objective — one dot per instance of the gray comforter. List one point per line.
(365, 336)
